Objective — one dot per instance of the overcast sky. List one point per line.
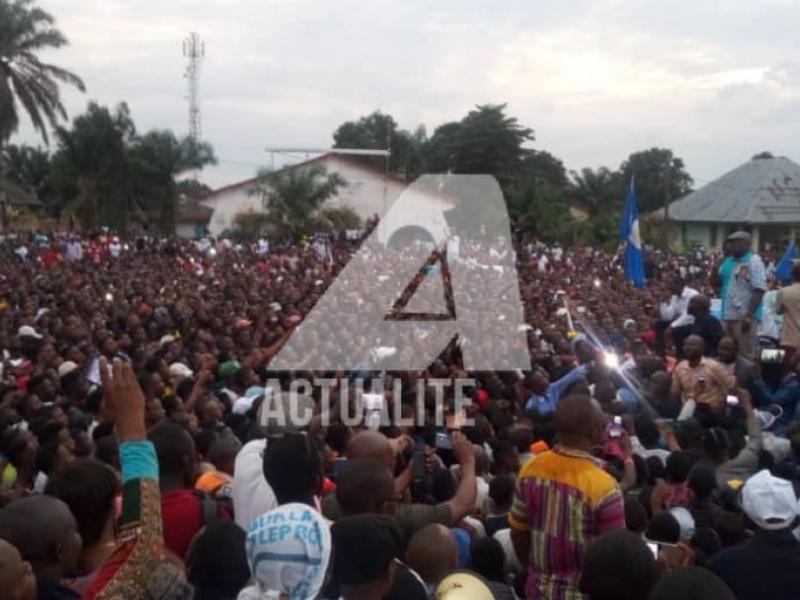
(715, 80)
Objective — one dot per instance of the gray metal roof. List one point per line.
(763, 190)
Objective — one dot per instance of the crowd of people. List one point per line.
(652, 450)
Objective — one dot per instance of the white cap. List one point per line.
(66, 367)
(769, 501)
(178, 370)
(167, 339)
(28, 331)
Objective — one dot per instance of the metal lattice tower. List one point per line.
(195, 50)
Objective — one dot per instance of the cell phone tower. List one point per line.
(195, 50)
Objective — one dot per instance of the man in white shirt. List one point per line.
(675, 317)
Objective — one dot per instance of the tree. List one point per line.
(155, 160)
(24, 31)
(542, 209)
(486, 141)
(106, 174)
(191, 188)
(93, 153)
(597, 191)
(661, 177)
(379, 131)
(293, 197)
(31, 169)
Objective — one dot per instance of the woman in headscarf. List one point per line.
(288, 549)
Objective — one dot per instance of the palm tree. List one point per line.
(597, 191)
(24, 31)
(293, 197)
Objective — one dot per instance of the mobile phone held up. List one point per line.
(443, 441)
(732, 400)
(615, 428)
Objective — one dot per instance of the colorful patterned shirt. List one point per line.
(564, 499)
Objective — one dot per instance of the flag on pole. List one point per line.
(629, 231)
(783, 272)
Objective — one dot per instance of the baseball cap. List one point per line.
(67, 367)
(179, 370)
(463, 585)
(229, 369)
(685, 522)
(739, 235)
(244, 403)
(167, 339)
(769, 501)
(28, 331)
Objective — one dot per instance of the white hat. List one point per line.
(178, 370)
(167, 339)
(769, 501)
(66, 367)
(40, 313)
(28, 331)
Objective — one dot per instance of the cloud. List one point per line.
(596, 79)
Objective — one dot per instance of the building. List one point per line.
(367, 190)
(761, 196)
(192, 218)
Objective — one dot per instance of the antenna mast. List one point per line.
(195, 50)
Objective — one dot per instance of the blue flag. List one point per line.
(629, 231)
(783, 272)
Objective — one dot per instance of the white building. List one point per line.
(367, 190)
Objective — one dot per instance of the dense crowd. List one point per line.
(652, 450)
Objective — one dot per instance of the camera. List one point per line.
(772, 356)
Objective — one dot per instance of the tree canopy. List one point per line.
(26, 30)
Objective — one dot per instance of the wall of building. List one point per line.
(367, 191)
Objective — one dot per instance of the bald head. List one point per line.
(694, 347)
(577, 421)
(371, 444)
(433, 553)
(364, 486)
(44, 531)
(16, 577)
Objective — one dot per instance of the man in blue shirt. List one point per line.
(545, 395)
(744, 281)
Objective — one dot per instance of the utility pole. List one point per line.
(195, 50)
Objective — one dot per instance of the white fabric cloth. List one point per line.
(288, 550)
(675, 309)
(252, 495)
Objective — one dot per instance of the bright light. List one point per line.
(212, 252)
(109, 297)
(611, 359)
(597, 283)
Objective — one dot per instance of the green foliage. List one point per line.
(598, 191)
(486, 141)
(250, 226)
(541, 208)
(104, 173)
(661, 177)
(339, 218)
(30, 169)
(293, 197)
(26, 30)
(378, 131)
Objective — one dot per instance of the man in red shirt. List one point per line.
(183, 510)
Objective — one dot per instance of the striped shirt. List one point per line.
(563, 500)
